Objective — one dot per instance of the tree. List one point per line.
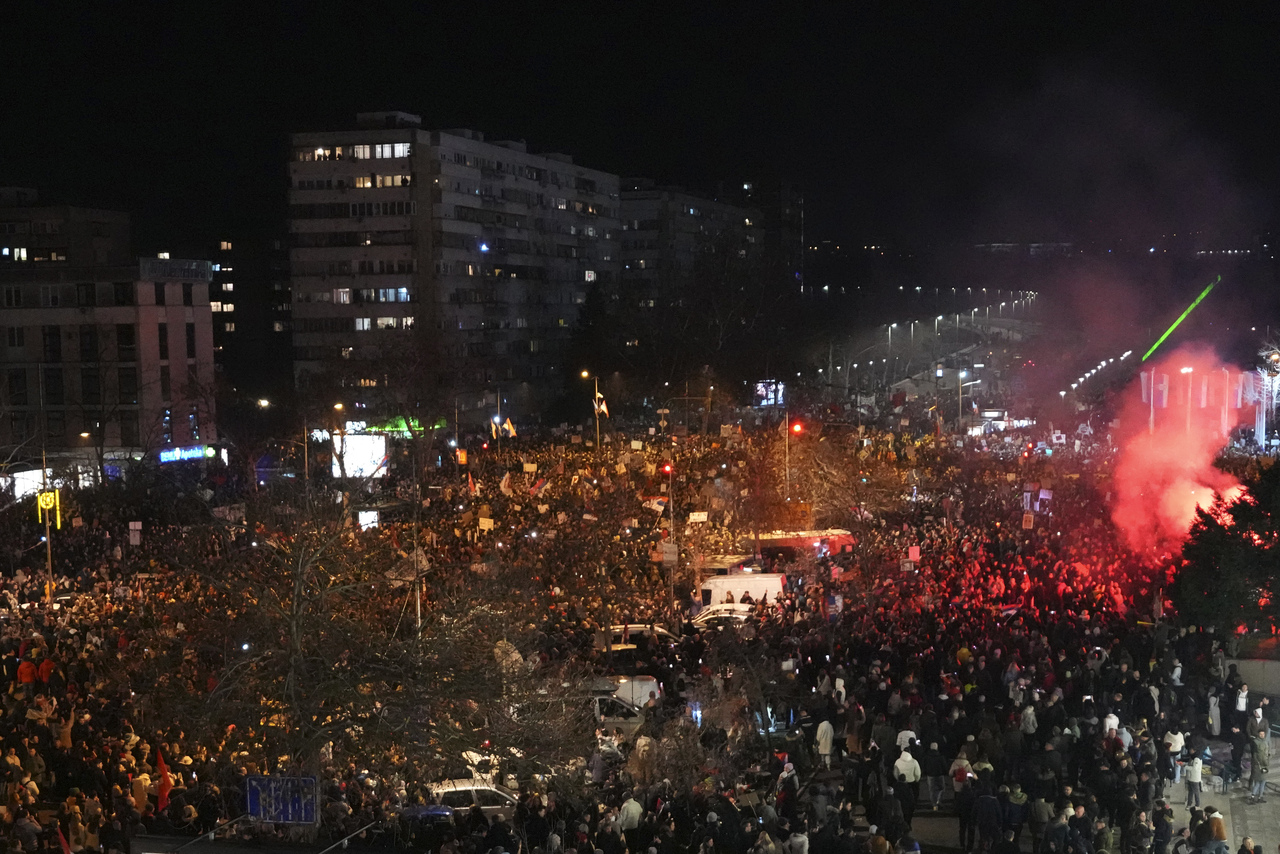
(322, 655)
(1230, 573)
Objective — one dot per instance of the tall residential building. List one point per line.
(668, 232)
(104, 356)
(781, 209)
(248, 298)
(690, 272)
(454, 256)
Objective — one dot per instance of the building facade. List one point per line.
(103, 356)
(668, 231)
(470, 258)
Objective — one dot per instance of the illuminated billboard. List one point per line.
(359, 455)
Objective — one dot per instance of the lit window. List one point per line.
(590, 275)
(397, 149)
(230, 327)
(215, 306)
(364, 182)
(407, 322)
(362, 324)
(226, 306)
(386, 323)
(345, 352)
(359, 152)
(226, 246)
(277, 326)
(163, 256)
(342, 296)
(228, 286)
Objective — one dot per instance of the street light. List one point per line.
(263, 403)
(1190, 382)
(888, 352)
(595, 405)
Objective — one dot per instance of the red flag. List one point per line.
(164, 785)
(62, 840)
(471, 483)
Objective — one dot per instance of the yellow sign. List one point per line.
(46, 502)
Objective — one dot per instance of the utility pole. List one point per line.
(786, 443)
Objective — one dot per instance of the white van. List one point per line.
(759, 584)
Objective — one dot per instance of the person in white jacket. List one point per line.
(907, 767)
(825, 739)
(1193, 773)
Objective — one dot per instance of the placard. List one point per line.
(698, 516)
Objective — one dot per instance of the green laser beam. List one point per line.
(1182, 317)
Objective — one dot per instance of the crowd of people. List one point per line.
(1030, 681)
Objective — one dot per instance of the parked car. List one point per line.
(461, 795)
(622, 637)
(612, 714)
(724, 614)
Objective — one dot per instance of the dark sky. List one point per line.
(981, 121)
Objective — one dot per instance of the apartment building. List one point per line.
(478, 253)
(667, 232)
(103, 355)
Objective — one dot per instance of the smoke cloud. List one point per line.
(1163, 475)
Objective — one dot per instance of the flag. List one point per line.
(505, 486)
(602, 408)
(62, 840)
(510, 428)
(471, 483)
(164, 785)
(1155, 386)
(493, 429)
(537, 488)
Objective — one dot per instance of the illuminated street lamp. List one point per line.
(1190, 381)
(595, 405)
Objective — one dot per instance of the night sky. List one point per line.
(984, 122)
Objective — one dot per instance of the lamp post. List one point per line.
(1190, 382)
(595, 405)
(888, 353)
(788, 429)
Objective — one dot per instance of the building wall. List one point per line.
(667, 230)
(82, 355)
(482, 250)
(80, 345)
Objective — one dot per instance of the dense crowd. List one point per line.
(1028, 680)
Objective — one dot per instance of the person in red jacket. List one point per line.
(45, 669)
(27, 675)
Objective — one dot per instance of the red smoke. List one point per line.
(1161, 476)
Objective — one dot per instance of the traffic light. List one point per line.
(797, 428)
(666, 468)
